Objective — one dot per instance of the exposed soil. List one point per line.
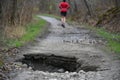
(71, 53)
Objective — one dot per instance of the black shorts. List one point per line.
(63, 14)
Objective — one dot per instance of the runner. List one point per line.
(64, 6)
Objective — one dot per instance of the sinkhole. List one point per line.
(53, 63)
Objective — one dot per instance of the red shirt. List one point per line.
(64, 6)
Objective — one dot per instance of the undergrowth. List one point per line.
(32, 30)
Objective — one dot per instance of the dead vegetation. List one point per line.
(14, 14)
(100, 13)
(110, 20)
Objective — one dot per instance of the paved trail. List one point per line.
(72, 41)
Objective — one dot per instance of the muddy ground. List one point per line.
(70, 53)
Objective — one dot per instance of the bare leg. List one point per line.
(63, 21)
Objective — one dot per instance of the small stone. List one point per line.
(18, 63)
(52, 79)
(66, 72)
(67, 76)
(62, 76)
(72, 79)
(30, 68)
(52, 74)
(20, 68)
(82, 79)
(24, 65)
(74, 73)
(44, 73)
(61, 70)
(103, 60)
(81, 71)
(29, 73)
(46, 77)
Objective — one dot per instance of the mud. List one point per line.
(73, 41)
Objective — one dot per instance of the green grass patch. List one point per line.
(113, 39)
(108, 35)
(32, 30)
(114, 45)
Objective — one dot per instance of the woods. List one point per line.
(14, 12)
(101, 13)
(13, 15)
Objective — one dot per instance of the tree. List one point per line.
(117, 3)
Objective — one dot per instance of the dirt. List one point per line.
(72, 41)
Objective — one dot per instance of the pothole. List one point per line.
(53, 63)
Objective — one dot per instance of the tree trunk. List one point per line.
(88, 9)
(117, 3)
(14, 6)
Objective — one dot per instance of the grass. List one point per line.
(32, 30)
(113, 40)
(115, 46)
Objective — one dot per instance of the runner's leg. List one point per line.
(63, 19)
(65, 14)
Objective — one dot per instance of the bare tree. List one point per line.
(117, 3)
(89, 13)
